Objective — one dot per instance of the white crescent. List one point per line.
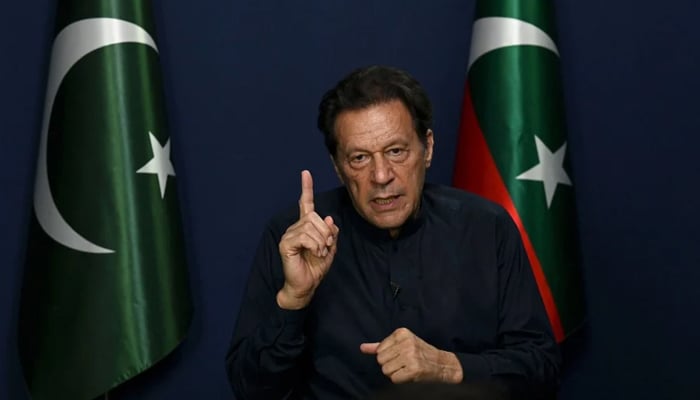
(71, 44)
(493, 33)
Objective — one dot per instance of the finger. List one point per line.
(293, 242)
(369, 348)
(306, 201)
(386, 355)
(387, 343)
(334, 229)
(393, 368)
(402, 375)
(402, 340)
(332, 249)
(316, 227)
(321, 226)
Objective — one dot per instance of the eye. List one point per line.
(357, 160)
(359, 157)
(397, 153)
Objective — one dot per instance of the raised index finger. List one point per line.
(306, 201)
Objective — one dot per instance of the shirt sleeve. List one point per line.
(527, 357)
(268, 342)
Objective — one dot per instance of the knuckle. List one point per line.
(401, 332)
(284, 241)
(308, 228)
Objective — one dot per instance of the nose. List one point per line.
(382, 172)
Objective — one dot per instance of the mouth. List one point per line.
(385, 201)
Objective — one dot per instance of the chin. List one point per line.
(393, 223)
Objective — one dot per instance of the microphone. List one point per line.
(395, 288)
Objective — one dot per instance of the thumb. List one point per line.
(369, 348)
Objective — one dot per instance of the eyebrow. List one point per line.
(398, 142)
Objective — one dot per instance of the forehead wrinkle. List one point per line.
(375, 129)
(375, 142)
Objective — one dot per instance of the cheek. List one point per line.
(415, 178)
(355, 187)
(414, 173)
(354, 179)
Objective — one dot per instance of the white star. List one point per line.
(550, 170)
(160, 164)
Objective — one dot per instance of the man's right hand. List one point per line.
(307, 249)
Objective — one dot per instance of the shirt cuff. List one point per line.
(474, 367)
(291, 317)
(290, 324)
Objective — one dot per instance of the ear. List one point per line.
(337, 170)
(429, 142)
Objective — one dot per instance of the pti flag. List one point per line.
(105, 292)
(513, 147)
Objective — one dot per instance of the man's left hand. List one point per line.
(404, 357)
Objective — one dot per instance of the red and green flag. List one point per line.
(513, 147)
(105, 293)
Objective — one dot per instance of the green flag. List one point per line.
(513, 146)
(105, 292)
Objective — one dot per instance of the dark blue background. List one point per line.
(243, 80)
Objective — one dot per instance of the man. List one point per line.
(387, 280)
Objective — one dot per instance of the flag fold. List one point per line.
(105, 293)
(512, 145)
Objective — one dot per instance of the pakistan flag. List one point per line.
(105, 292)
(513, 146)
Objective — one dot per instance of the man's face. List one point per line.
(382, 162)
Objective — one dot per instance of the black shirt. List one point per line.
(457, 276)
